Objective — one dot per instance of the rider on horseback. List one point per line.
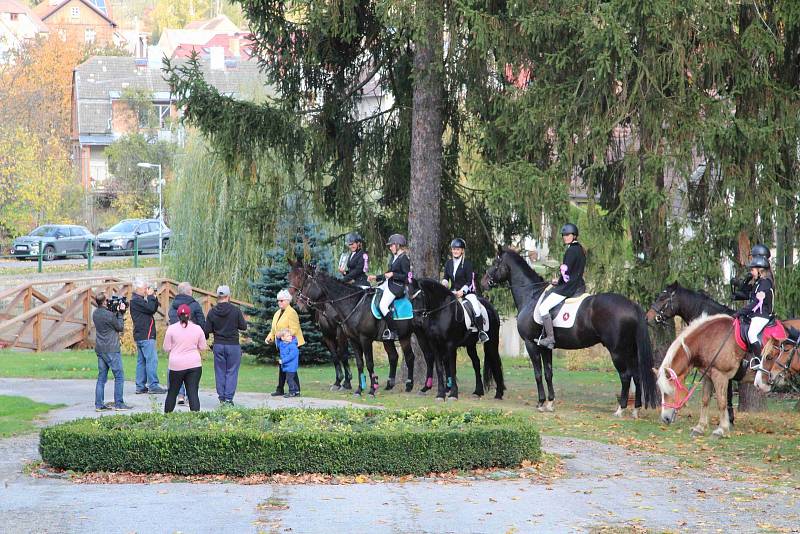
(356, 265)
(758, 310)
(459, 276)
(741, 288)
(394, 280)
(569, 283)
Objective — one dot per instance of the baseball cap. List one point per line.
(184, 309)
(223, 291)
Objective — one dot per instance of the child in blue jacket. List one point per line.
(290, 360)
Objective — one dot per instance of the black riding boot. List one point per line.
(483, 337)
(388, 333)
(549, 341)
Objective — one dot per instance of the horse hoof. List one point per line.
(335, 387)
(389, 385)
(540, 408)
(347, 385)
(477, 396)
(409, 387)
(718, 434)
(449, 399)
(696, 433)
(439, 399)
(619, 412)
(498, 397)
(478, 393)
(356, 393)
(635, 413)
(548, 406)
(424, 389)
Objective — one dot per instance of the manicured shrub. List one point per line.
(333, 441)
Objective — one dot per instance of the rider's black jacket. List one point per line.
(357, 267)
(463, 277)
(570, 282)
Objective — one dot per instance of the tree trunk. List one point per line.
(426, 148)
(751, 399)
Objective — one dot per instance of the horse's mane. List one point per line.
(702, 294)
(663, 382)
(434, 288)
(336, 287)
(514, 256)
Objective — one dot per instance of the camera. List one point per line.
(115, 301)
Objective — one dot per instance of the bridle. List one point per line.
(660, 317)
(493, 283)
(756, 364)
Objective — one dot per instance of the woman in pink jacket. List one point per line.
(184, 341)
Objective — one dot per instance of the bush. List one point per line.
(333, 441)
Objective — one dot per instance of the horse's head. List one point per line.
(671, 380)
(665, 306)
(498, 273)
(303, 285)
(779, 359)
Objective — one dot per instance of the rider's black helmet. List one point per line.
(569, 228)
(458, 243)
(353, 237)
(759, 261)
(760, 250)
(396, 239)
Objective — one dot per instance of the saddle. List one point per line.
(773, 330)
(564, 313)
(401, 308)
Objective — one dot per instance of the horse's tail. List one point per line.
(644, 348)
(492, 364)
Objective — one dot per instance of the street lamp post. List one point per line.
(160, 206)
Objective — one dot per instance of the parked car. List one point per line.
(121, 237)
(58, 240)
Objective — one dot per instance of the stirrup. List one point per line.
(389, 335)
(483, 337)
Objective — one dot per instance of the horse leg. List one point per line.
(441, 371)
(391, 351)
(547, 358)
(702, 422)
(408, 356)
(472, 351)
(358, 348)
(331, 344)
(430, 356)
(344, 358)
(721, 384)
(730, 401)
(638, 395)
(625, 380)
(373, 378)
(452, 379)
(536, 360)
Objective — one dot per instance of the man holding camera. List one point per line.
(108, 324)
(144, 305)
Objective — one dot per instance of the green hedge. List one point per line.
(336, 441)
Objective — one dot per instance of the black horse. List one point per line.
(446, 330)
(606, 318)
(679, 301)
(334, 338)
(350, 308)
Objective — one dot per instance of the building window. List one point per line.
(163, 116)
(89, 35)
(75, 12)
(14, 16)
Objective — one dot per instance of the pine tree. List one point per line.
(306, 243)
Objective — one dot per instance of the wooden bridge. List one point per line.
(57, 314)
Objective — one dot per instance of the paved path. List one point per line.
(602, 485)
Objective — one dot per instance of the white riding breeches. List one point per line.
(479, 309)
(550, 302)
(386, 298)
(757, 324)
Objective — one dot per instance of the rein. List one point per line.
(679, 386)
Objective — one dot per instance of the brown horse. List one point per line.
(780, 360)
(707, 344)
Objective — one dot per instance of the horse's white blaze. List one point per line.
(663, 381)
(761, 383)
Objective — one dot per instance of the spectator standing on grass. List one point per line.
(108, 326)
(184, 341)
(144, 305)
(225, 321)
(285, 318)
(290, 360)
(184, 296)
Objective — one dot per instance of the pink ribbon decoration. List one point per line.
(366, 263)
(564, 274)
(760, 296)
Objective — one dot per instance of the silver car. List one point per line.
(57, 240)
(121, 237)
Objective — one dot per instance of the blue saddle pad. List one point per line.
(401, 308)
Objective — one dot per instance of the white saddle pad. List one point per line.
(567, 313)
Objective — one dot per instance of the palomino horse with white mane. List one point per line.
(709, 345)
(780, 360)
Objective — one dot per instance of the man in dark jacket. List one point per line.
(144, 305)
(225, 321)
(184, 296)
(108, 326)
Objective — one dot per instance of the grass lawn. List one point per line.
(18, 413)
(764, 444)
